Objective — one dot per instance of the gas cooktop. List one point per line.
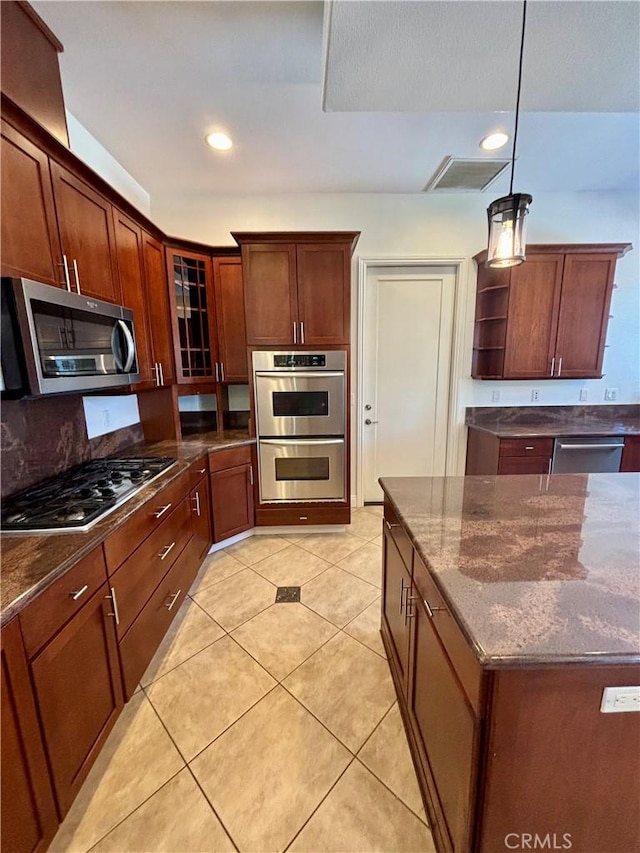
(82, 496)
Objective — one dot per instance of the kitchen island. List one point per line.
(509, 605)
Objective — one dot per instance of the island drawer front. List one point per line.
(147, 519)
(53, 608)
(220, 460)
(399, 534)
(136, 579)
(198, 470)
(526, 447)
(461, 654)
(524, 465)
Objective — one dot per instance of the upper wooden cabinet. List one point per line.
(85, 221)
(297, 287)
(547, 318)
(230, 323)
(30, 242)
(158, 311)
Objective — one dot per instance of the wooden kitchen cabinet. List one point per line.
(159, 312)
(231, 480)
(489, 454)
(28, 812)
(30, 241)
(85, 222)
(546, 318)
(396, 588)
(200, 503)
(230, 322)
(631, 454)
(297, 287)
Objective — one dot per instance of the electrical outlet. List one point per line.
(583, 395)
(535, 395)
(611, 394)
(619, 700)
(106, 418)
(495, 397)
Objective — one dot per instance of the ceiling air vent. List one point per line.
(456, 175)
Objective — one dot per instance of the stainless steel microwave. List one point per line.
(57, 342)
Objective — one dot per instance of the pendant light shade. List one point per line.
(508, 215)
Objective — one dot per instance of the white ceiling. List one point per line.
(406, 84)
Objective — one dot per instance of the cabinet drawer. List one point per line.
(139, 646)
(275, 516)
(524, 465)
(399, 534)
(137, 578)
(526, 447)
(41, 619)
(198, 470)
(461, 655)
(136, 529)
(219, 460)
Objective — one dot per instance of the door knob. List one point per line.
(368, 421)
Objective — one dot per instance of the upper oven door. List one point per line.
(300, 403)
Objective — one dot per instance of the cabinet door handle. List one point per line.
(202, 470)
(65, 267)
(217, 375)
(431, 610)
(251, 474)
(161, 511)
(409, 612)
(401, 594)
(75, 272)
(156, 371)
(168, 549)
(161, 373)
(295, 333)
(222, 371)
(114, 601)
(76, 595)
(196, 498)
(389, 525)
(302, 332)
(560, 366)
(174, 598)
(553, 366)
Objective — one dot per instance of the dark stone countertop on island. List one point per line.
(553, 421)
(31, 563)
(535, 569)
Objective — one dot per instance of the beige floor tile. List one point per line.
(331, 546)
(338, 596)
(366, 628)
(377, 541)
(256, 548)
(283, 636)
(292, 566)
(386, 754)
(364, 524)
(215, 568)
(346, 686)
(365, 563)
(202, 697)
(361, 815)
(375, 509)
(191, 631)
(176, 818)
(267, 773)
(137, 759)
(236, 599)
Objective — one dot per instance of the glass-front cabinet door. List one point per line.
(194, 320)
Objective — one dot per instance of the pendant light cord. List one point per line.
(515, 130)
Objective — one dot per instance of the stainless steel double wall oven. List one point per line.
(300, 404)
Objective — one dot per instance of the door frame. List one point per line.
(461, 344)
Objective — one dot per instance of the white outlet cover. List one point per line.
(583, 395)
(620, 700)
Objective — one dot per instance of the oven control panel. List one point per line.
(300, 359)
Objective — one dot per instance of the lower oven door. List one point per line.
(309, 469)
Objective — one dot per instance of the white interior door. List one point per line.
(408, 328)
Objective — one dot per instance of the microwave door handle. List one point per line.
(114, 347)
(131, 346)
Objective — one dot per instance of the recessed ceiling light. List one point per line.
(494, 141)
(219, 141)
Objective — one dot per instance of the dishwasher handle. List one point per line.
(591, 446)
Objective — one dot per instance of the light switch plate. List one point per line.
(618, 700)
(611, 394)
(583, 395)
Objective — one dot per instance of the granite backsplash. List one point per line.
(44, 436)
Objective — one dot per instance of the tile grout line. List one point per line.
(211, 806)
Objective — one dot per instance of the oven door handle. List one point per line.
(304, 441)
(299, 374)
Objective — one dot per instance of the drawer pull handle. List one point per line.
(76, 595)
(161, 511)
(431, 610)
(389, 525)
(202, 470)
(303, 518)
(196, 508)
(167, 551)
(529, 447)
(174, 598)
(114, 601)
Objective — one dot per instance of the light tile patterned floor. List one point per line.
(261, 726)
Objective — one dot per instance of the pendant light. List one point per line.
(507, 215)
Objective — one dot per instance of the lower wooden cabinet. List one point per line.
(488, 454)
(28, 818)
(76, 678)
(631, 454)
(232, 508)
(396, 588)
(200, 503)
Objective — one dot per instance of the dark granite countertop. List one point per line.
(536, 570)
(553, 421)
(32, 563)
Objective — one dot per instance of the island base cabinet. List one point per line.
(396, 587)
(557, 766)
(29, 819)
(76, 678)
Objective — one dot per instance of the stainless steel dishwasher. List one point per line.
(587, 455)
